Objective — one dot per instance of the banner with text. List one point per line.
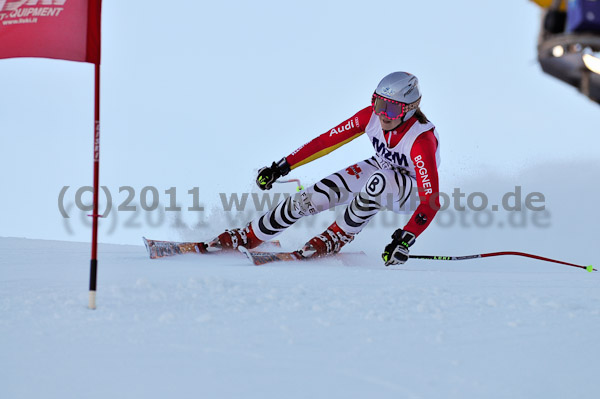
(60, 29)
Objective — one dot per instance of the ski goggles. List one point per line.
(391, 109)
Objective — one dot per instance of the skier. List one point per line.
(406, 157)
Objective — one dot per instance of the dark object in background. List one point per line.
(555, 21)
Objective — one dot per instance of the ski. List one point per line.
(264, 257)
(160, 249)
(261, 258)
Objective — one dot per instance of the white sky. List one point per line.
(201, 94)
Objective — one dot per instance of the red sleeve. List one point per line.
(423, 156)
(331, 140)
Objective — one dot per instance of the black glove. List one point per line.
(396, 252)
(267, 175)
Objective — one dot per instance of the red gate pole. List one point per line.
(95, 215)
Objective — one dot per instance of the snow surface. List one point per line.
(217, 327)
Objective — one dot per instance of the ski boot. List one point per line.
(230, 240)
(329, 242)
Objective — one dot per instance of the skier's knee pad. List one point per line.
(377, 183)
(387, 187)
(303, 203)
(320, 197)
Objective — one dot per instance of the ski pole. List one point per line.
(488, 255)
(297, 181)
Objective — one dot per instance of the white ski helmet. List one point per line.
(401, 87)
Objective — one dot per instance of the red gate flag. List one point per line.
(60, 29)
(64, 30)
